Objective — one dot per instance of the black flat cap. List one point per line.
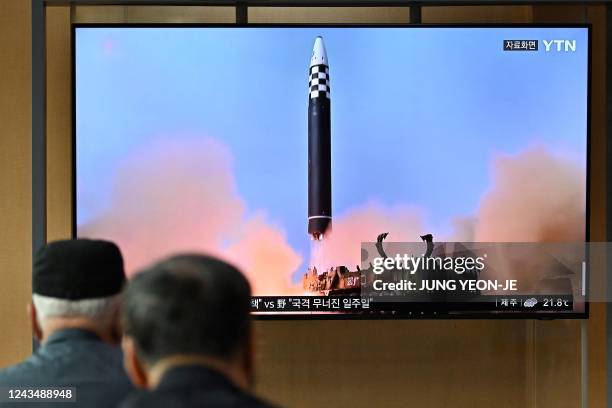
(78, 269)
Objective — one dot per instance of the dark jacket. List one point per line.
(72, 358)
(194, 386)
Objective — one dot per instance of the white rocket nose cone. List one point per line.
(319, 55)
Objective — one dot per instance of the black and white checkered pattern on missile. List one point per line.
(319, 81)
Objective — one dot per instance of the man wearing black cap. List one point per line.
(187, 335)
(74, 314)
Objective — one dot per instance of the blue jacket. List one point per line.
(72, 358)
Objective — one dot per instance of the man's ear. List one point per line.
(37, 332)
(134, 368)
(115, 329)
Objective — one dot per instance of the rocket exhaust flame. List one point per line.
(319, 143)
(316, 257)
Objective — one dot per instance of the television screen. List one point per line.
(318, 159)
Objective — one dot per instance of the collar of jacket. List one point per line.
(188, 376)
(71, 335)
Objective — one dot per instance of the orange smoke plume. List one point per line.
(363, 224)
(536, 197)
(264, 255)
(180, 195)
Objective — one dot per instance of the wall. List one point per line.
(464, 363)
(15, 179)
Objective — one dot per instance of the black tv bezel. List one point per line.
(358, 316)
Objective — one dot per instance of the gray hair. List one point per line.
(100, 310)
(188, 304)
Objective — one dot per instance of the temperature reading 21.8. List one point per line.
(555, 302)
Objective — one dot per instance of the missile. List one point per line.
(319, 143)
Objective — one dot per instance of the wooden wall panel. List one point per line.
(441, 364)
(557, 362)
(596, 15)
(186, 14)
(153, 14)
(99, 14)
(323, 15)
(59, 123)
(477, 14)
(555, 14)
(15, 179)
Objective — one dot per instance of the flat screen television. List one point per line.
(301, 153)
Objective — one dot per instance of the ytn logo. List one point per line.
(560, 45)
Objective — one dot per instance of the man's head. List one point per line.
(76, 284)
(184, 310)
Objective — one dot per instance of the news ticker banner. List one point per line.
(348, 304)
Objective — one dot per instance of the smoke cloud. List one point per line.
(535, 197)
(263, 254)
(180, 195)
(363, 224)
